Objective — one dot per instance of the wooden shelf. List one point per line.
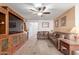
(7, 41)
(2, 23)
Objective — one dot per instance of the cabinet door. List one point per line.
(2, 23)
(5, 44)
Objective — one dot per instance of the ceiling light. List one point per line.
(2, 22)
(39, 14)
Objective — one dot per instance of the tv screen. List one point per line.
(12, 25)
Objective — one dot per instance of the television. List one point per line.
(12, 25)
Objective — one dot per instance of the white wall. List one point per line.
(40, 28)
(32, 28)
(77, 15)
(77, 18)
(40, 22)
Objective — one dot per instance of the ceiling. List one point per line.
(55, 9)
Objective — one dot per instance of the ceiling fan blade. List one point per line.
(44, 8)
(39, 9)
(46, 12)
(33, 10)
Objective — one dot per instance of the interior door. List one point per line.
(33, 28)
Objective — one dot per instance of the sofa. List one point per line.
(42, 34)
(56, 35)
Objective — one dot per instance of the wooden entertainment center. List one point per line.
(12, 35)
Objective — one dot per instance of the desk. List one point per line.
(70, 45)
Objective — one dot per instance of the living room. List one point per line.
(51, 27)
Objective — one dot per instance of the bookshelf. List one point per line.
(12, 31)
(2, 23)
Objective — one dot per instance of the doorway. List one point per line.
(33, 29)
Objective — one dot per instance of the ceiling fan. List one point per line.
(39, 10)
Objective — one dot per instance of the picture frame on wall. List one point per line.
(56, 23)
(45, 24)
(63, 21)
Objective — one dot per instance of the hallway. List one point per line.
(38, 47)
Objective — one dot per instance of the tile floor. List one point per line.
(38, 47)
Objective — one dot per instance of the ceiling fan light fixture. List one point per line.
(39, 14)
